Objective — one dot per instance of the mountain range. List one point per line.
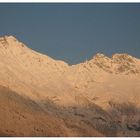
(41, 96)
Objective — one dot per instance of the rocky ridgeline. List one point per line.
(10, 41)
(119, 63)
(125, 64)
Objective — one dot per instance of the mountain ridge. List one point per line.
(93, 98)
(7, 39)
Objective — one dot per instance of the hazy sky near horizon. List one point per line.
(74, 32)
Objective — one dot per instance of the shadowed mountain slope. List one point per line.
(23, 117)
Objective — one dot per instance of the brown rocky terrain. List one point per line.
(40, 96)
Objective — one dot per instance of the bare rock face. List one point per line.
(103, 62)
(119, 63)
(99, 97)
(126, 63)
(119, 58)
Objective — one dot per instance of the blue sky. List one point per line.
(74, 32)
